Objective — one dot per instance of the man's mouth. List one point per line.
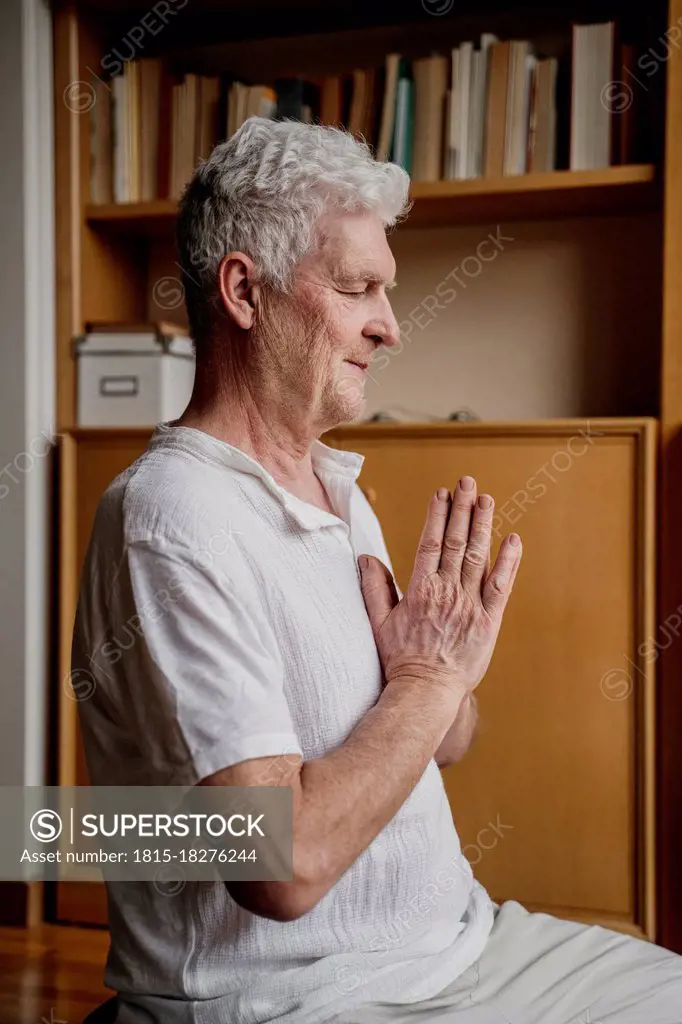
(355, 362)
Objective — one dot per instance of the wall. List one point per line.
(26, 383)
(546, 329)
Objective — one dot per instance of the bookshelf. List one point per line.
(111, 255)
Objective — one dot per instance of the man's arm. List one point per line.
(460, 735)
(343, 800)
(435, 646)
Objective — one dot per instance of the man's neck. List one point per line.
(261, 431)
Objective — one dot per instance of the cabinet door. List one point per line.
(88, 461)
(554, 802)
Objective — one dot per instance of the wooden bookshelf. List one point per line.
(523, 197)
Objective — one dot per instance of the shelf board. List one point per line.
(153, 218)
(557, 194)
(540, 196)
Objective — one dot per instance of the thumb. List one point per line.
(378, 590)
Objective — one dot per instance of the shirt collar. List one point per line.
(337, 469)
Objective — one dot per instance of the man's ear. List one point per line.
(237, 290)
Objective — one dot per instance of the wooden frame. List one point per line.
(670, 565)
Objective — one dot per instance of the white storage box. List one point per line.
(133, 376)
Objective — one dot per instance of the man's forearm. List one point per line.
(344, 799)
(460, 735)
(352, 793)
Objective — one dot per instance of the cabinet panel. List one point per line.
(89, 461)
(554, 802)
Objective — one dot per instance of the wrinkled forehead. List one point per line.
(354, 246)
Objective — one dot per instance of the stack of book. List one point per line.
(479, 111)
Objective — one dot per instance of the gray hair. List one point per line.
(263, 193)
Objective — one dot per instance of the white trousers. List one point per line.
(538, 969)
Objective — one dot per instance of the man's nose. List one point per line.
(384, 329)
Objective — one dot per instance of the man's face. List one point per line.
(339, 315)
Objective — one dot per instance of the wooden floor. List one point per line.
(51, 974)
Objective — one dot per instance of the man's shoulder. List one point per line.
(166, 496)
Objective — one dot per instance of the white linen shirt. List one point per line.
(221, 619)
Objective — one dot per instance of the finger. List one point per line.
(515, 570)
(457, 532)
(498, 586)
(477, 555)
(378, 590)
(430, 545)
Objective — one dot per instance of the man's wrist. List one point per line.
(429, 685)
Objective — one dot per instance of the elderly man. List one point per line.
(287, 654)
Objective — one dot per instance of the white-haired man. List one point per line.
(288, 654)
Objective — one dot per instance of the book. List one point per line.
(403, 148)
(150, 108)
(188, 128)
(207, 126)
(476, 113)
(101, 155)
(430, 87)
(591, 114)
(331, 101)
(121, 182)
(374, 91)
(496, 109)
(486, 110)
(297, 98)
(543, 117)
(480, 95)
(462, 97)
(521, 63)
(388, 110)
(133, 99)
(261, 101)
(357, 118)
(627, 107)
(452, 107)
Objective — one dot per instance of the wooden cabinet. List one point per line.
(554, 803)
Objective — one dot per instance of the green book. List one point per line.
(404, 120)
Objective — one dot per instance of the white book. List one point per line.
(605, 41)
(511, 77)
(463, 100)
(119, 86)
(578, 93)
(591, 120)
(474, 114)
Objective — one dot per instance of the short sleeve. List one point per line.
(201, 685)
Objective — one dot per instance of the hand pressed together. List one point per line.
(445, 628)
